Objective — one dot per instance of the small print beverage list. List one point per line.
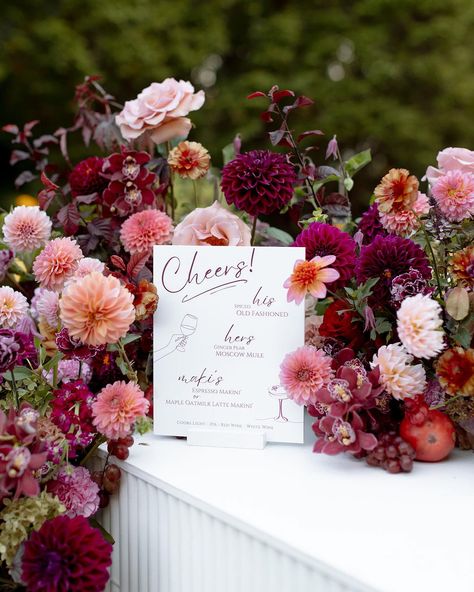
(222, 328)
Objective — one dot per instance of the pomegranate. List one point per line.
(430, 432)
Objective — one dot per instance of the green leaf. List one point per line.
(348, 183)
(320, 182)
(105, 533)
(357, 162)
(122, 365)
(131, 337)
(463, 337)
(228, 153)
(280, 235)
(53, 361)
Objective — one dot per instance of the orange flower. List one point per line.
(455, 370)
(190, 160)
(311, 277)
(462, 267)
(398, 190)
(97, 309)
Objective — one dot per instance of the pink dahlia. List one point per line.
(311, 277)
(97, 309)
(323, 239)
(303, 372)
(26, 228)
(13, 307)
(258, 182)
(76, 491)
(57, 263)
(386, 258)
(47, 307)
(117, 408)
(454, 195)
(66, 555)
(86, 177)
(406, 222)
(145, 229)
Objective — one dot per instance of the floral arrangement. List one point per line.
(387, 370)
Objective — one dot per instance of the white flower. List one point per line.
(47, 306)
(26, 228)
(13, 307)
(419, 326)
(399, 378)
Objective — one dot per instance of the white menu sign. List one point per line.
(222, 328)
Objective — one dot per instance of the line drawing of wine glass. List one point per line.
(188, 327)
(278, 392)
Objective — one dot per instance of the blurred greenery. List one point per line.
(392, 75)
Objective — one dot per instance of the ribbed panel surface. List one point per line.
(165, 544)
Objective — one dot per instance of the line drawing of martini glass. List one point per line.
(188, 327)
(278, 392)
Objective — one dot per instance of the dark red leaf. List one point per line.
(17, 156)
(45, 197)
(309, 133)
(257, 93)
(29, 125)
(282, 94)
(137, 263)
(118, 262)
(266, 116)
(48, 183)
(70, 218)
(45, 139)
(86, 199)
(11, 128)
(276, 136)
(61, 133)
(303, 101)
(335, 204)
(24, 177)
(101, 227)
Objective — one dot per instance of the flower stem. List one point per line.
(196, 202)
(131, 374)
(100, 440)
(80, 370)
(254, 228)
(15, 391)
(433, 258)
(171, 185)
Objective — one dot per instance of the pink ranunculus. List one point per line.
(213, 225)
(451, 159)
(161, 110)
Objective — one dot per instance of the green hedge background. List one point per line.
(393, 75)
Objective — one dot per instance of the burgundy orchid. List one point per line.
(21, 452)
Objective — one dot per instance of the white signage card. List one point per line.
(222, 328)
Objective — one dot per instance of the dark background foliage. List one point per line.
(392, 75)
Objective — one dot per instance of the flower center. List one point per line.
(130, 168)
(214, 241)
(305, 273)
(304, 374)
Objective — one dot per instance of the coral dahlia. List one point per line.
(398, 190)
(461, 266)
(13, 307)
(455, 371)
(97, 309)
(189, 160)
(310, 277)
(145, 229)
(258, 182)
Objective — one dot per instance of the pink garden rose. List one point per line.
(160, 109)
(451, 159)
(213, 225)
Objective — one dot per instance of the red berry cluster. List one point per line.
(392, 453)
(108, 479)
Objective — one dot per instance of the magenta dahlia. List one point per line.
(323, 239)
(85, 178)
(66, 555)
(386, 258)
(258, 182)
(370, 224)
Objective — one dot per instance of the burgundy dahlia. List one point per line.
(258, 182)
(386, 258)
(73, 349)
(370, 225)
(85, 178)
(66, 555)
(323, 239)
